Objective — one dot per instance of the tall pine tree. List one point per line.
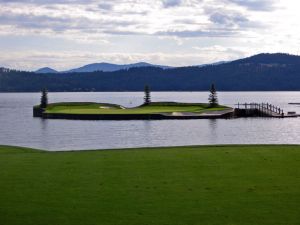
(213, 98)
(147, 97)
(44, 99)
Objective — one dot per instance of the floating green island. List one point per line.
(154, 110)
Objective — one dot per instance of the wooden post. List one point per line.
(260, 109)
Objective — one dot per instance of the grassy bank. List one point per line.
(103, 108)
(162, 186)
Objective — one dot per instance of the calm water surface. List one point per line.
(18, 127)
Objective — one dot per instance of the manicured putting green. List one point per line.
(102, 108)
(162, 186)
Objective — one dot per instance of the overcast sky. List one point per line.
(69, 33)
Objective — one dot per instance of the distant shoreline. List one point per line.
(153, 91)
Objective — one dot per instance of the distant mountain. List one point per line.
(263, 72)
(46, 70)
(270, 59)
(105, 67)
(108, 67)
(213, 64)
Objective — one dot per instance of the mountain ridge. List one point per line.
(262, 72)
(46, 70)
(103, 66)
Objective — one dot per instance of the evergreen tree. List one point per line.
(147, 98)
(213, 98)
(44, 99)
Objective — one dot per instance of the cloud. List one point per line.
(45, 2)
(256, 5)
(171, 3)
(42, 22)
(197, 33)
(177, 18)
(228, 19)
(147, 26)
(60, 24)
(231, 19)
(105, 6)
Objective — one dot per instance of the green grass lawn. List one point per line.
(102, 108)
(163, 186)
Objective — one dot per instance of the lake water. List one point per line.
(19, 128)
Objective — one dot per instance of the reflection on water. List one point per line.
(213, 125)
(44, 123)
(18, 127)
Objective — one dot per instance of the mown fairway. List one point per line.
(101, 108)
(163, 186)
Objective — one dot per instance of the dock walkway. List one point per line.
(261, 110)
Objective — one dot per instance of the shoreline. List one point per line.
(154, 91)
(149, 148)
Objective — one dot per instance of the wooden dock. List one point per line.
(261, 110)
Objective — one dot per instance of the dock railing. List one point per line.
(260, 109)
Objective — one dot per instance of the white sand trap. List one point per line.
(177, 114)
(108, 107)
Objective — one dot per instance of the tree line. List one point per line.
(212, 99)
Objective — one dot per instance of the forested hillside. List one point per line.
(264, 72)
